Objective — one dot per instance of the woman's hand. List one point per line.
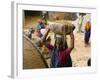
(45, 36)
(72, 40)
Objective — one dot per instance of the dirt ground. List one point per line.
(31, 59)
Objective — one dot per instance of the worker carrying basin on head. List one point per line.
(60, 52)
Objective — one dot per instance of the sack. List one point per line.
(61, 27)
